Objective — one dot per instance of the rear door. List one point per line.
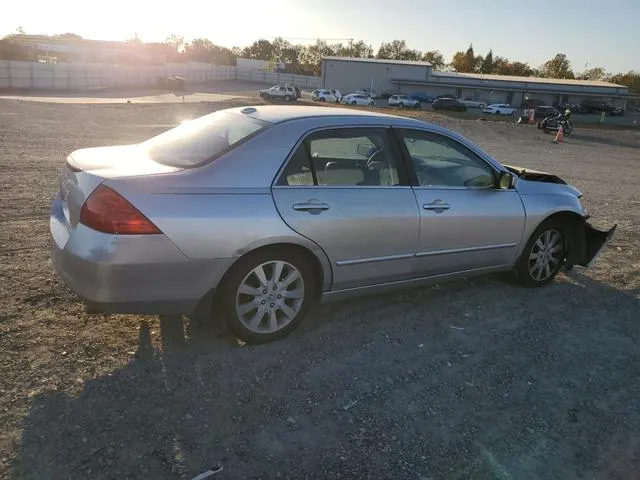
(466, 223)
(346, 190)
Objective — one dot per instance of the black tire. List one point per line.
(237, 275)
(523, 270)
(287, 98)
(322, 99)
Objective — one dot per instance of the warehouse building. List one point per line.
(351, 74)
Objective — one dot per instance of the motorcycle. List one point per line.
(553, 122)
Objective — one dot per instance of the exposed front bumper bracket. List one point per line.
(587, 244)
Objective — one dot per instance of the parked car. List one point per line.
(326, 95)
(597, 106)
(386, 94)
(471, 103)
(217, 213)
(544, 111)
(357, 99)
(448, 104)
(499, 109)
(368, 91)
(279, 92)
(423, 97)
(403, 101)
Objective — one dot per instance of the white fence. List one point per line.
(75, 76)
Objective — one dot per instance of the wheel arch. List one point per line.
(318, 259)
(568, 217)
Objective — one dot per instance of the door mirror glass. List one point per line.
(505, 180)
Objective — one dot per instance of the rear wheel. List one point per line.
(267, 295)
(543, 255)
(288, 98)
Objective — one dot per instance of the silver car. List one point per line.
(257, 213)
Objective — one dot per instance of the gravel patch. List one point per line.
(478, 379)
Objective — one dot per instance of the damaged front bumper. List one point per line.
(587, 243)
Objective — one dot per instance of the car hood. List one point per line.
(537, 182)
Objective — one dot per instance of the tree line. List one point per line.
(306, 59)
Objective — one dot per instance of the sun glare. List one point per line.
(234, 23)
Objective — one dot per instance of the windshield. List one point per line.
(201, 140)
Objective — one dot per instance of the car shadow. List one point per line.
(615, 142)
(471, 379)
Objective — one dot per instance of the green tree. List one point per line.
(204, 50)
(466, 62)
(397, 50)
(312, 55)
(487, 63)
(558, 67)
(435, 58)
(630, 79)
(359, 49)
(595, 73)
(10, 49)
(502, 66)
(260, 49)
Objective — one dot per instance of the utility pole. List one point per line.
(350, 46)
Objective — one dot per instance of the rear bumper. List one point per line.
(129, 273)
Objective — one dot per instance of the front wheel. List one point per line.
(287, 98)
(543, 255)
(267, 295)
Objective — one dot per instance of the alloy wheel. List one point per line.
(270, 297)
(546, 255)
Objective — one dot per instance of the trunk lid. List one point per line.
(87, 168)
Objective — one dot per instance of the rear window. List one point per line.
(201, 140)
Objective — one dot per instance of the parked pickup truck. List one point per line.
(279, 92)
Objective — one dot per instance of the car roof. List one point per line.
(284, 113)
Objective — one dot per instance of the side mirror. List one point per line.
(505, 180)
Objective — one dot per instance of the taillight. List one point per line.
(107, 211)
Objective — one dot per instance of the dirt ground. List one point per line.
(478, 379)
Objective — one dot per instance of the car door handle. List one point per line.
(437, 206)
(310, 207)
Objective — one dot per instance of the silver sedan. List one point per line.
(257, 213)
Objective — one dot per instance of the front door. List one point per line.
(346, 190)
(466, 223)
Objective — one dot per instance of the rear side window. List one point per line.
(344, 157)
(199, 141)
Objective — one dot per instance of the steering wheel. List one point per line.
(373, 157)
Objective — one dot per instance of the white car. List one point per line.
(471, 103)
(279, 92)
(499, 109)
(326, 95)
(403, 101)
(357, 99)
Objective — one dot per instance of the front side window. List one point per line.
(440, 161)
(344, 157)
(198, 141)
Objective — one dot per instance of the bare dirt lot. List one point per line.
(480, 379)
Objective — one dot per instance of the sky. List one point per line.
(591, 33)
